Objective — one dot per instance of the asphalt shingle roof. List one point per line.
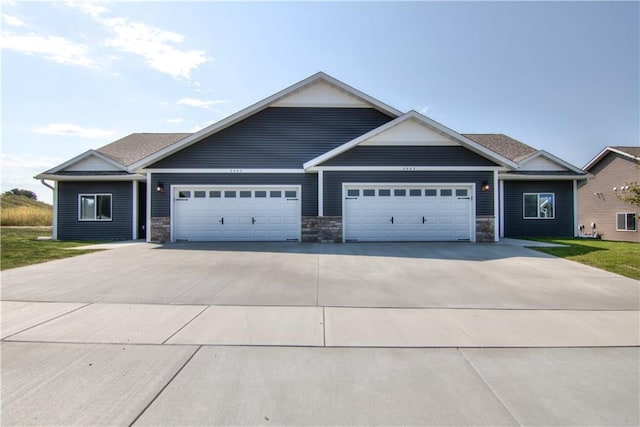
(137, 146)
(504, 145)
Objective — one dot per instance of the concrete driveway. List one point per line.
(306, 334)
(427, 275)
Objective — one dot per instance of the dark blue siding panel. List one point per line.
(409, 156)
(333, 185)
(70, 228)
(514, 223)
(277, 138)
(161, 202)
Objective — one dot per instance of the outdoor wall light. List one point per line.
(160, 188)
(485, 186)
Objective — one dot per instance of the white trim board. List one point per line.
(53, 177)
(407, 168)
(221, 170)
(79, 158)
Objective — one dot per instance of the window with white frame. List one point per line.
(538, 205)
(626, 221)
(94, 207)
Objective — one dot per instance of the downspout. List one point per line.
(54, 229)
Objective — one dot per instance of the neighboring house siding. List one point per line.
(161, 202)
(409, 156)
(277, 137)
(333, 185)
(514, 223)
(597, 201)
(119, 228)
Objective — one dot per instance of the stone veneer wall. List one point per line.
(485, 229)
(325, 229)
(160, 229)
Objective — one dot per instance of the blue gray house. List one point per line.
(317, 161)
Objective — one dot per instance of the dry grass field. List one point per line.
(23, 211)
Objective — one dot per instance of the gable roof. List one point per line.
(83, 156)
(136, 146)
(504, 145)
(549, 156)
(425, 121)
(252, 109)
(632, 153)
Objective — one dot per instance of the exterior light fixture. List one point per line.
(160, 187)
(485, 186)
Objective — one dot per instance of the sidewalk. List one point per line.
(315, 326)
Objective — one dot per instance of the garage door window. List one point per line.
(95, 207)
(261, 194)
(384, 193)
(368, 193)
(539, 205)
(215, 194)
(446, 193)
(199, 194)
(275, 194)
(184, 194)
(400, 193)
(229, 194)
(430, 193)
(245, 194)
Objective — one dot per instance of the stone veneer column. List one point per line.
(485, 229)
(160, 229)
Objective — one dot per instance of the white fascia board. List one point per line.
(407, 168)
(549, 156)
(603, 153)
(466, 142)
(54, 177)
(220, 170)
(511, 177)
(82, 156)
(258, 106)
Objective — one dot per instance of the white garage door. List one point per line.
(236, 213)
(403, 212)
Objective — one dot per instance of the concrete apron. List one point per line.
(314, 326)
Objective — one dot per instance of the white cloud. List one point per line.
(159, 48)
(18, 171)
(201, 103)
(200, 127)
(176, 120)
(67, 129)
(92, 8)
(57, 49)
(12, 21)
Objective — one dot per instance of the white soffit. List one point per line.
(410, 132)
(92, 163)
(320, 94)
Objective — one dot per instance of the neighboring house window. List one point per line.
(95, 207)
(539, 205)
(626, 221)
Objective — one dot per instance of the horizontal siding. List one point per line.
(597, 202)
(70, 228)
(333, 185)
(409, 156)
(514, 223)
(161, 202)
(277, 138)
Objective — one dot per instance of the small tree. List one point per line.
(629, 193)
(20, 192)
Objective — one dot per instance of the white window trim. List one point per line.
(538, 205)
(95, 195)
(625, 221)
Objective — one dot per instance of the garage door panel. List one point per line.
(419, 212)
(244, 214)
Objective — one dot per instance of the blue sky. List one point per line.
(560, 76)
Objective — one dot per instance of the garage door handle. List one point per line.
(391, 220)
(253, 220)
(423, 220)
(221, 221)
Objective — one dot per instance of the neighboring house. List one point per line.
(318, 161)
(612, 169)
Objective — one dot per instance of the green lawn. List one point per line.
(617, 257)
(19, 247)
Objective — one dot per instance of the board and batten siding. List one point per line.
(71, 228)
(161, 202)
(409, 156)
(333, 181)
(276, 138)
(516, 226)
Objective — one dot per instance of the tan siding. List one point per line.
(597, 201)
